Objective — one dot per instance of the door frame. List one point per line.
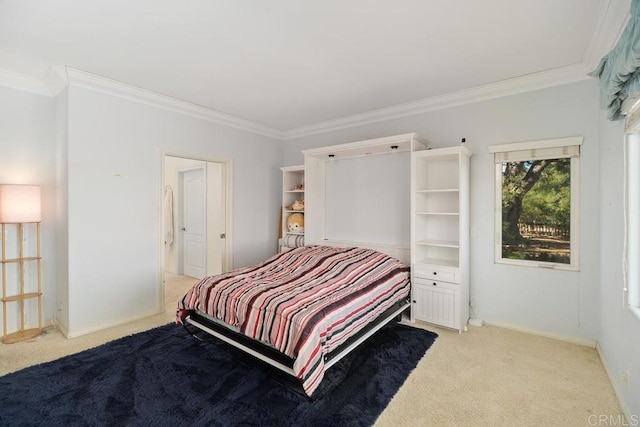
(227, 261)
(180, 216)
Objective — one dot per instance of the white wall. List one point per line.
(115, 148)
(62, 215)
(27, 156)
(619, 336)
(561, 303)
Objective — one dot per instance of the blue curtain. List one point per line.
(619, 70)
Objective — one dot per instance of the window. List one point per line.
(537, 203)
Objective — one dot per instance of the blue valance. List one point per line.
(619, 70)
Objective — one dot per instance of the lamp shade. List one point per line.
(19, 203)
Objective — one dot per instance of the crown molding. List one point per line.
(613, 16)
(542, 80)
(24, 83)
(611, 21)
(59, 77)
(56, 79)
(97, 83)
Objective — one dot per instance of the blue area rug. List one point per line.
(166, 377)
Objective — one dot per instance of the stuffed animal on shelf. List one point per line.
(295, 223)
(298, 205)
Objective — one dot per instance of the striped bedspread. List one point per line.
(304, 302)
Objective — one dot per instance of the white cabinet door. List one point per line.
(437, 303)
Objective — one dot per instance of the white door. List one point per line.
(194, 224)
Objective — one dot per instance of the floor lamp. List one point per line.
(20, 207)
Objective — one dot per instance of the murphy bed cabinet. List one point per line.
(292, 190)
(315, 167)
(440, 236)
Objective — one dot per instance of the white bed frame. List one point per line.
(214, 329)
(315, 234)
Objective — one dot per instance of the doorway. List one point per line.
(196, 213)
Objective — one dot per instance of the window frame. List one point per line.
(632, 222)
(543, 149)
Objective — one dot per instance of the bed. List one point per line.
(301, 310)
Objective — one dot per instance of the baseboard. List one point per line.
(54, 323)
(57, 327)
(573, 340)
(63, 330)
(614, 383)
(110, 325)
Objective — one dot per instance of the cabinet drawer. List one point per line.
(426, 283)
(437, 272)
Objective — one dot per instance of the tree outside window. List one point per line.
(537, 203)
(536, 210)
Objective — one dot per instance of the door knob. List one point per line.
(183, 229)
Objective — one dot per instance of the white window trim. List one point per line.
(631, 250)
(632, 223)
(550, 149)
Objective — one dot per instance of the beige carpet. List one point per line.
(52, 344)
(488, 376)
(492, 376)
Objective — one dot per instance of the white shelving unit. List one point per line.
(440, 236)
(292, 180)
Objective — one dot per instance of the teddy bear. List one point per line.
(295, 223)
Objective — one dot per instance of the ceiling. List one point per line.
(291, 64)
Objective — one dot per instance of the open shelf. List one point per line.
(292, 191)
(441, 243)
(26, 334)
(442, 190)
(439, 261)
(438, 213)
(31, 258)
